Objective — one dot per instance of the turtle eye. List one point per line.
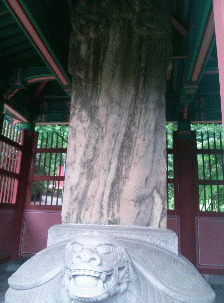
(105, 249)
(76, 247)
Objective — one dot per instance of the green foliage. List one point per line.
(208, 135)
(52, 136)
(211, 198)
(170, 128)
(170, 197)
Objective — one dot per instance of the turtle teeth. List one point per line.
(72, 283)
(103, 277)
(80, 272)
(69, 275)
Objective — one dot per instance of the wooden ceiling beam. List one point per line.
(10, 30)
(15, 50)
(25, 54)
(179, 27)
(32, 30)
(201, 43)
(201, 36)
(12, 40)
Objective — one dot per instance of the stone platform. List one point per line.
(89, 263)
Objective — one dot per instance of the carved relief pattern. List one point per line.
(167, 268)
(40, 294)
(32, 271)
(166, 239)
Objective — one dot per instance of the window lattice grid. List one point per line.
(52, 138)
(210, 159)
(49, 168)
(48, 164)
(9, 156)
(12, 129)
(170, 128)
(8, 189)
(170, 196)
(47, 192)
(211, 198)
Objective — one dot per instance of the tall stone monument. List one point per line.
(116, 161)
(113, 245)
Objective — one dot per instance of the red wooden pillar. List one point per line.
(218, 7)
(186, 192)
(27, 161)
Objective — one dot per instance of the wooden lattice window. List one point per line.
(170, 128)
(10, 157)
(210, 158)
(49, 171)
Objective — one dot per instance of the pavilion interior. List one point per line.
(35, 88)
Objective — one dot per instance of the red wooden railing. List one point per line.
(10, 160)
(48, 176)
(11, 149)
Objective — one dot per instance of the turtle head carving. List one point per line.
(96, 267)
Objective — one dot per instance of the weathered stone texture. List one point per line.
(116, 159)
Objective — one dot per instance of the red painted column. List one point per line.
(218, 7)
(186, 191)
(27, 161)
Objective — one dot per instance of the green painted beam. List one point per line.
(212, 47)
(30, 126)
(36, 72)
(37, 27)
(12, 40)
(186, 8)
(22, 56)
(201, 9)
(15, 50)
(189, 90)
(5, 19)
(10, 30)
(23, 77)
(41, 35)
(199, 20)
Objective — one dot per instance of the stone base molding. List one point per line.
(164, 238)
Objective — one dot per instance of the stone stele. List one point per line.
(115, 183)
(116, 156)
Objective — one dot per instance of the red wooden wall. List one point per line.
(35, 227)
(7, 219)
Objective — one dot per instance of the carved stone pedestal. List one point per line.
(92, 263)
